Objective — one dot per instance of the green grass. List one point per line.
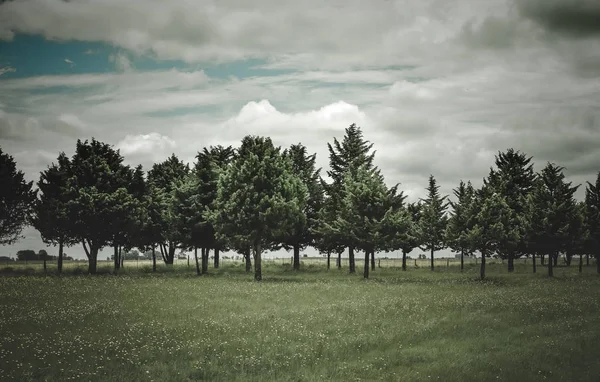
(311, 326)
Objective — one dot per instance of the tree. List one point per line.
(165, 176)
(514, 179)
(301, 235)
(258, 199)
(411, 240)
(433, 221)
(592, 219)
(369, 220)
(27, 255)
(457, 223)
(353, 151)
(16, 200)
(490, 223)
(97, 195)
(550, 209)
(325, 241)
(51, 217)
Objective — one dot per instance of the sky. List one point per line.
(439, 87)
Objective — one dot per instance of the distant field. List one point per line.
(309, 326)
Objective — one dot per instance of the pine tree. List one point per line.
(457, 223)
(433, 221)
(16, 200)
(301, 236)
(490, 223)
(411, 240)
(592, 219)
(550, 210)
(514, 179)
(354, 151)
(258, 199)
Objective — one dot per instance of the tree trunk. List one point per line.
(462, 260)
(511, 262)
(339, 260)
(403, 260)
(60, 256)
(117, 261)
(373, 260)
(555, 259)
(366, 272)
(598, 263)
(205, 253)
(217, 252)
(482, 268)
(580, 263)
(569, 258)
(351, 263)
(248, 262)
(153, 258)
(587, 259)
(296, 258)
(432, 259)
(92, 261)
(534, 264)
(121, 256)
(543, 259)
(550, 269)
(328, 260)
(45, 264)
(170, 254)
(257, 263)
(196, 258)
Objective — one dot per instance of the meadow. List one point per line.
(308, 326)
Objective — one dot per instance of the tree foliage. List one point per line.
(433, 220)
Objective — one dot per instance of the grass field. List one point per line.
(308, 326)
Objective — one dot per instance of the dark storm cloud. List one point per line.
(574, 18)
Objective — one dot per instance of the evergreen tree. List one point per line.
(457, 223)
(433, 221)
(489, 224)
(411, 240)
(592, 219)
(514, 179)
(354, 151)
(551, 207)
(303, 166)
(166, 176)
(16, 200)
(258, 199)
(51, 217)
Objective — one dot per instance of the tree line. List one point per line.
(258, 197)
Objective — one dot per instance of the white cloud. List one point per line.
(122, 63)
(7, 69)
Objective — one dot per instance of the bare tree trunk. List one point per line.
(296, 265)
(432, 258)
(373, 260)
(543, 257)
(569, 258)
(60, 256)
(328, 260)
(117, 261)
(511, 262)
(555, 259)
(550, 269)
(534, 264)
(45, 264)
(153, 258)
(482, 268)
(580, 263)
(121, 256)
(217, 259)
(587, 259)
(351, 262)
(366, 271)
(462, 260)
(403, 260)
(257, 263)
(196, 258)
(171, 254)
(339, 260)
(205, 252)
(248, 262)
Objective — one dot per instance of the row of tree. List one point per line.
(259, 197)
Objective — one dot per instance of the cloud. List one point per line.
(7, 69)
(146, 148)
(122, 63)
(572, 18)
(71, 63)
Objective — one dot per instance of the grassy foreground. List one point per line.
(316, 325)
